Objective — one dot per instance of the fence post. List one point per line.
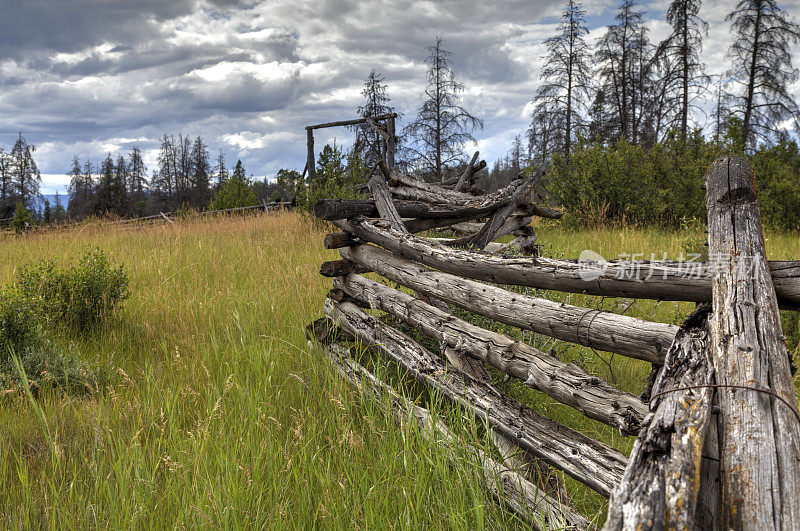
(758, 426)
(310, 162)
(390, 151)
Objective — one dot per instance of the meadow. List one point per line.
(219, 413)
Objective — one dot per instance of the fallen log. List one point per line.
(663, 479)
(593, 463)
(596, 329)
(759, 430)
(564, 382)
(663, 280)
(503, 483)
(468, 172)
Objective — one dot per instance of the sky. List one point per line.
(91, 77)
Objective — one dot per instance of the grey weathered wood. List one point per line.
(564, 382)
(511, 224)
(378, 128)
(467, 172)
(662, 482)
(312, 172)
(335, 240)
(339, 268)
(493, 225)
(331, 209)
(391, 145)
(759, 435)
(504, 483)
(593, 463)
(383, 202)
(597, 329)
(677, 281)
(356, 121)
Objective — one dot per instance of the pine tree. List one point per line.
(624, 59)
(220, 172)
(684, 78)
(370, 145)
(6, 196)
(48, 213)
(25, 175)
(566, 76)
(137, 181)
(81, 190)
(59, 213)
(236, 191)
(442, 126)
(762, 68)
(201, 169)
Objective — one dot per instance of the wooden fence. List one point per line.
(161, 217)
(717, 427)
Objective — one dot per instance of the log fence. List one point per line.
(717, 431)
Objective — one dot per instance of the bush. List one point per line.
(19, 323)
(79, 296)
(661, 185)
(22, 218)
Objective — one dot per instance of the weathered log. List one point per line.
(490, 229)
(340, 268)
(451, 182)
(412, 188)
(662, 482)
(511, 224)
(597, 329)
(663, 280)
(391, 144)
(593, 463)
(356, 121)
(383, 202)
(470, 169)
(759, 433)
(330, 209)
(339, 295)
(503, 483)
(524, 463)
(378, 128)
(564, 382)
(312, 174)
(335, 240)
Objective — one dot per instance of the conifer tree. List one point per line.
(442, 126)
(762, 69)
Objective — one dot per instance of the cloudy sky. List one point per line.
(90, 77)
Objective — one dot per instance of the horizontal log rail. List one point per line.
(596, 329)
(564, 382)
(356, 121)
(505, 484)
(591, 462)
(663, 280)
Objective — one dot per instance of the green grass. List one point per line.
(221, 414)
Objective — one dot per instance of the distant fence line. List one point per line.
(161, 217)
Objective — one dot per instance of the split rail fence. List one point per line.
(717, 428)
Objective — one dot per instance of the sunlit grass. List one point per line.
(222, 416)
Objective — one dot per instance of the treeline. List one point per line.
(184, 178)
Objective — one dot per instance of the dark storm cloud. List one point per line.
(91, 77)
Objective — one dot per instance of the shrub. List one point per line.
(22, 218)
(19, 322)
(79, 296)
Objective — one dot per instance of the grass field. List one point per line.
(220, 415)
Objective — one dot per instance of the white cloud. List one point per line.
(249, 78)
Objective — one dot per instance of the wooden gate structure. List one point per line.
(717, 427)
(383, 124)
